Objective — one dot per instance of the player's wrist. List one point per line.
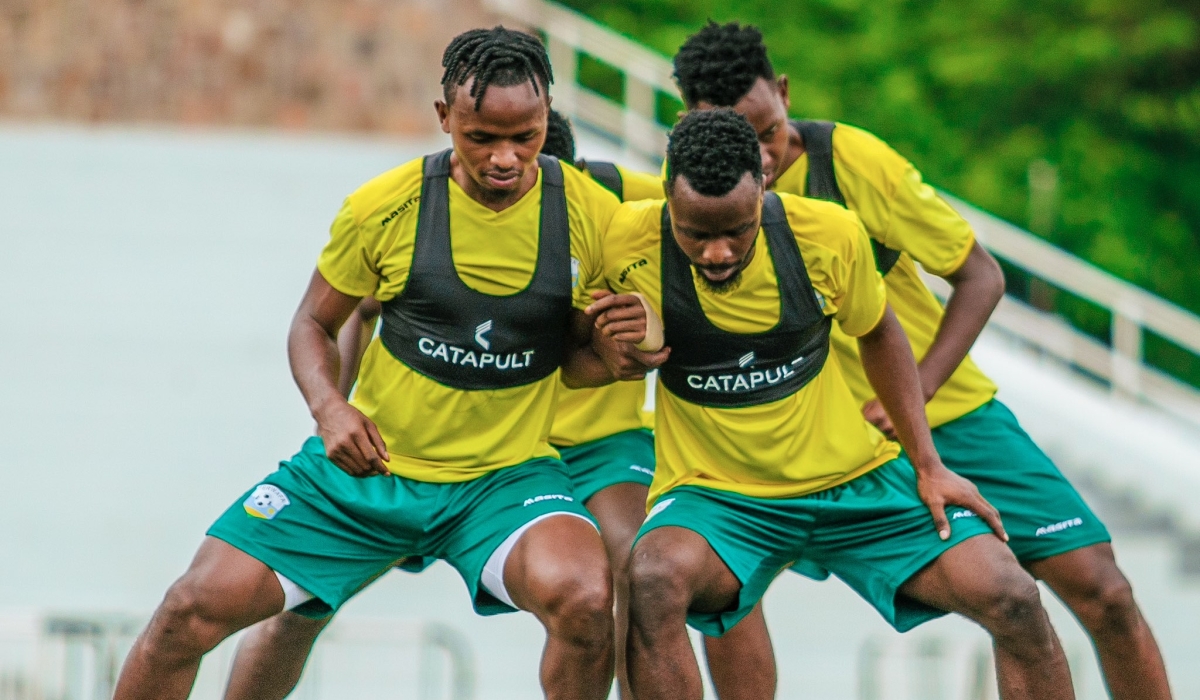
(321, 407)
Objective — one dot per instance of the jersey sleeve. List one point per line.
(596, 208)
(926, 227)
(345, 262)
(861, 299)
(638, 186)
(896, 206)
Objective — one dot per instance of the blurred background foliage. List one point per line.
(1076, 119)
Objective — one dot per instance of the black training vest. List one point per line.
(607, 175)
(466, 339)
(712, 367)
(822, 183)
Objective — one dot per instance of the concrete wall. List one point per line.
(342, 65)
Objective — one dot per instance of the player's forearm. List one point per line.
(583, 368)
(352, 342)
(888, 361)
(315, 361)
(978, 287)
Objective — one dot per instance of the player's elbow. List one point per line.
(982, 275)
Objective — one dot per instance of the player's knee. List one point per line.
(187, 622)
(1012, 610)
(658, 585)
(578, 603)
(1106, 605)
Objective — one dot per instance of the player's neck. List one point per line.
(795, 149)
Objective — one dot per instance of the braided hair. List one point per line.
(720, 63)
(495, 56)
(560, 138)
(713, 149)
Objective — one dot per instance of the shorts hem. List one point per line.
(1063, 548)
(910, 569)
(267, 557)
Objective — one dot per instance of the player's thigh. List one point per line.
(620, 509)
(717, 551)
(558, 559)
(225, 585)
(520, 525)
(875, 534)
(969, 577)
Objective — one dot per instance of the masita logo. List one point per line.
(266, 502)
(1058, 527)
(548, 497)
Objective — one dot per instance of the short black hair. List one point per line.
(560, 138)
(720, 63)
(713, 149)
(495, 56)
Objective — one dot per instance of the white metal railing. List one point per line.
(1134, 310)
(78, 657)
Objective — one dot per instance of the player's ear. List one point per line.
(781, 83)
(443, 113)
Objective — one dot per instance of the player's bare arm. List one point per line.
(352, 441)
(978, 286)
(353, 340)
(892, 371)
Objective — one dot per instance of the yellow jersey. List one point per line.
(584, 415)
(806, 442)
(905, 214)
(436, 433)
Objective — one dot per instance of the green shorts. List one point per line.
(332, 533)
(873, 532)
(1043, 514)
(626, 457)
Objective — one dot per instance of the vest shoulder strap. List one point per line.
(607, 175)
(822, 181)
(818, 143)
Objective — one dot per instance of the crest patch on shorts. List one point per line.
(265, 502)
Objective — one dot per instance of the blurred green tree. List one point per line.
(1079, 119)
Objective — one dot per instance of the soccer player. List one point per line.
(763, 456)
(601, 435)
(443, 452)
(1053, 532)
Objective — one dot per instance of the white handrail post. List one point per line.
(565, 62)
(1127, 348)
(639, 110)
